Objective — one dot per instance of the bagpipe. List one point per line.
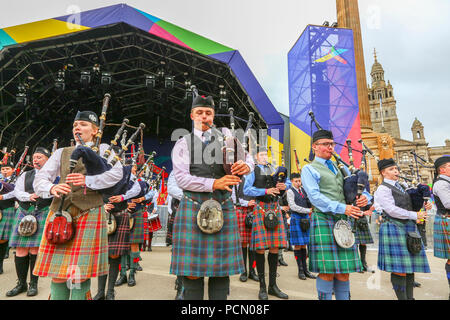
(418, 192)
(7, 185)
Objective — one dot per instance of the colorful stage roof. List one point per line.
(123, 13)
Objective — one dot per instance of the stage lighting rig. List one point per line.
(334, 25)
(326, 24)
(223, 102)
(105, 79)
(22, 95)
(150, 81)
(85, 78)
(169, 82)
(60, 84)
(189, 90)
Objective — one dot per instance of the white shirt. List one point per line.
(442, 190)
(43, 180)
(291, 200)
(21, 194)
(384, 201)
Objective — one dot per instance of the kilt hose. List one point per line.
(145, 217)
(119, 241)
(33, 241)
(393, 254)
(245, 233)
(297, 236)
(362, 237)
(263, 239)
(85, 256)
(7, 223)
(138, 231)
(441, 237)
(325, 256)
(198, 254)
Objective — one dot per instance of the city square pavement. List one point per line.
(156, 283)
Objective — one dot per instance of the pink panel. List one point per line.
(160, 32)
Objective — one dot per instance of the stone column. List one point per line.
(348, 17)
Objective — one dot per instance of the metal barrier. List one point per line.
(159, 237)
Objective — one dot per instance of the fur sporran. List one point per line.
(270, 220)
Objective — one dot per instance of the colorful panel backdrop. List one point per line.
(322, 79)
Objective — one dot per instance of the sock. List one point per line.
(298, 258)
(33, 278)
(113, 272)
(260, 264)
(193, 288)
(324, 289)
(272, 259)
(251, 259)
(244, 256)
(341, 289)
(59, 291)
(447, 270)
(218, 288)
(101, 283)
(3, 248)
(303, 257)
(123, 264)
(410, 286)
(134, 260)
(399, 286)
(22, 264)
(81, 291)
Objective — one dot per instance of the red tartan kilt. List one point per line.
(244, 232)
(146, 226)
(261, 237)
(119, 241)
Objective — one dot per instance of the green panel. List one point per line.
(193, 40)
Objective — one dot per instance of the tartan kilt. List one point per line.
(7, 223)
(119, 241)
(137, 233)
(198, 254)
(85, 256)
(298, 237)
(264, 239)
(244, 232)
(170, 227)
(441, 237)
(325, 255)
(362, 237)
(33, 241)
(145, 217)
(393, 254)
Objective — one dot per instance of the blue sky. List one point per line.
(413, 49)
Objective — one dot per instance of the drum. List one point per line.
(154, 223)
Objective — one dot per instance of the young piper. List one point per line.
(398, 220)
(260, 184)
(7, 205)
(74, 263)
(195, 253)
(300, 209)
(323, 183)
(441, 191)
(27, 246)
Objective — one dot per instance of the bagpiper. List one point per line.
(72, 264)
(441, 191)
(401, 251)
(27, 239)
(205, 248)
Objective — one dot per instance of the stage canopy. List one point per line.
(67, 63)
(322, 79)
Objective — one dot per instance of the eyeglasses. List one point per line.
(327, 144)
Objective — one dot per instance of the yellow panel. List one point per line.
(301, 142)
(277, 147)
(42, 29)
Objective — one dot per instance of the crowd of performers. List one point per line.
(83, 212)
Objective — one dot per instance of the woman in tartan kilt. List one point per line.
(323, 183)
(394, 255)
(8, 210)
(199, 170)
(441, 191)
(245, 204)
(261, 185)
(71, 265)
(300, 209)
(27, 246)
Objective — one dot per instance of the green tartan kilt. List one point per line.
(33, 241)
(441, 237)
(362, 237)
(137, 233)
(198, 254)
(7, 223)
(325, 256)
